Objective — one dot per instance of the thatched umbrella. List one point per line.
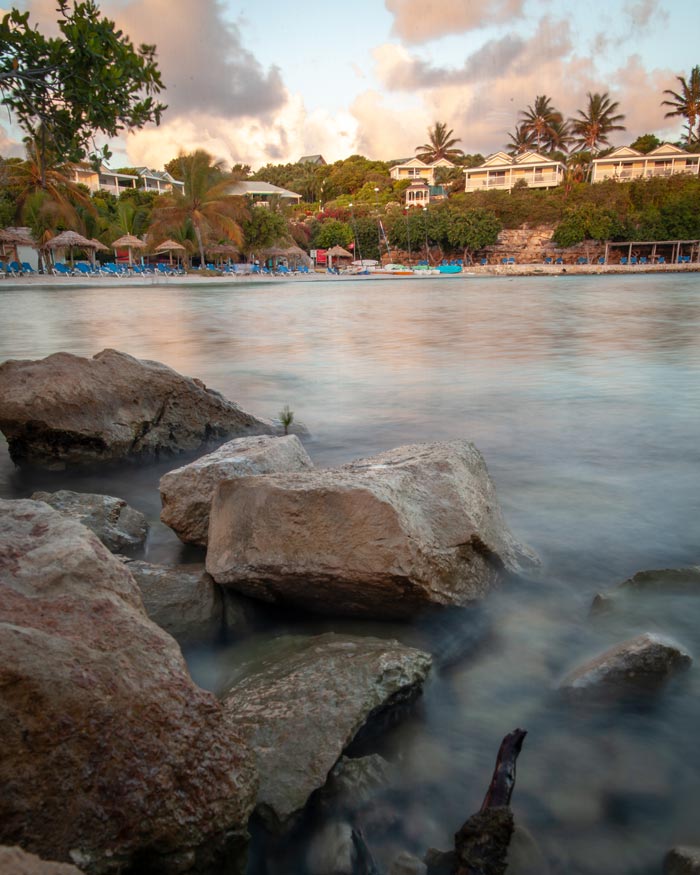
(227, 249)
(337, 252)
(128, 241)
(170, 246)
(13, 239)
(297, 254)
(70, 239)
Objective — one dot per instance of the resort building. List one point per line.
(261, 193)
(626, 163)
(317, 160)
(501, 171)
(420, 194)
(111, 181)
(417, 169)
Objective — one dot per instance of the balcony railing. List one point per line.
(539, 180)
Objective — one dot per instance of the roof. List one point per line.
(503, 159)
(312, 159)
(252, 187)
(664, 150)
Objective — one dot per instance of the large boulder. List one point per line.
(387, 536)
(186, 492)
(119, 526)
(305, 702)
(109, 752)
(67, 410)
(641, 663)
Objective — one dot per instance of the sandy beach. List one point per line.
(472, 271)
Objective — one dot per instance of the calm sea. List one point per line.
(583, 394)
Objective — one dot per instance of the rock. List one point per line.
(682, 861)
(67, 410)
(387, 536)
(109, 752)
(668, 581)
(186, 492)
(481, 844)
(305, 703)
(331, 850)
(353, 783)
(116, 524)
(643, 662)
(183, 600)
(406, 864)
(15, 861)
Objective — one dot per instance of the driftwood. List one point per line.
(481, 844)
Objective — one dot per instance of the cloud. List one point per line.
(283, 137)
(417, 21)
(643, 13)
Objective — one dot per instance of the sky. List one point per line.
(267, 81)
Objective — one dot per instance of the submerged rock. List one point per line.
(68, 410)
(387, 536)
(682, 861)
(186, 492)
(15, 861)
(306, 701)
(354, 782)
(643, 662)
(116, 524)
(109, 752)
(671, 581)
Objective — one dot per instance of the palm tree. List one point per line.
(545, 123)
(521, 140)
(591, 130)
(206, 202)
(686, 103)
(440, 146)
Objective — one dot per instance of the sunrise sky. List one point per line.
(261, 81)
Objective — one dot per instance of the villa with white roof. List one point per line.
(417, 169)
(502, 171)
(626, 163)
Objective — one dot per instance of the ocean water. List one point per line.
(583, 394)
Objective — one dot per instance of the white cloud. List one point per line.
(416, 21)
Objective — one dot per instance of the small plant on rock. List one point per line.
(286, 417)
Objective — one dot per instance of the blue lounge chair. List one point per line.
(86, 269)
(661, 260)
(633, 260)
(548, 259)
(559, 260)
(623, 260)
(581, 260)
(511, 260)
(27, 268)
(484, 261)
(60, 269)
(15, 268)
(601, 259)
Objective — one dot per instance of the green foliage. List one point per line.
(333, 232)
(586, 222)
(441, 144)
(645, 143)
(88, 80)
(263, 229)
(470, 230)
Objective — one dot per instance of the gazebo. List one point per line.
(69, 240)
(337, 252)
(169, 246)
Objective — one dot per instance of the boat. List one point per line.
(392, 270)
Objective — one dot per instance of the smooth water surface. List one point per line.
(583, 394)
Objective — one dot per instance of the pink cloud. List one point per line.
(416, 21)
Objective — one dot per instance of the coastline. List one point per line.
(489, 270)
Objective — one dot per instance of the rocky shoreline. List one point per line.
(113, 759)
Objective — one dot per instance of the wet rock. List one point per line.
(183, 600)
(186, 492)
(305, 702)
(388, 536)
(352, 783)
(116, 524)
(68, 410)
(682, 861)
(109, 751)
(15, 861)
(642, 663)
(331, 850)
(481, 844)
(671, 581)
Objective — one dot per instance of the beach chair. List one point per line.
(559, 260)
(601, 259)
(661, 260)
(86, 269)
(60, 269)
(484, 262)
(511, 260)
(27, 268)
(623, 260)
(504, 261)
(633, 260)
(15, 268)
(643, 260)
(548, 259)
